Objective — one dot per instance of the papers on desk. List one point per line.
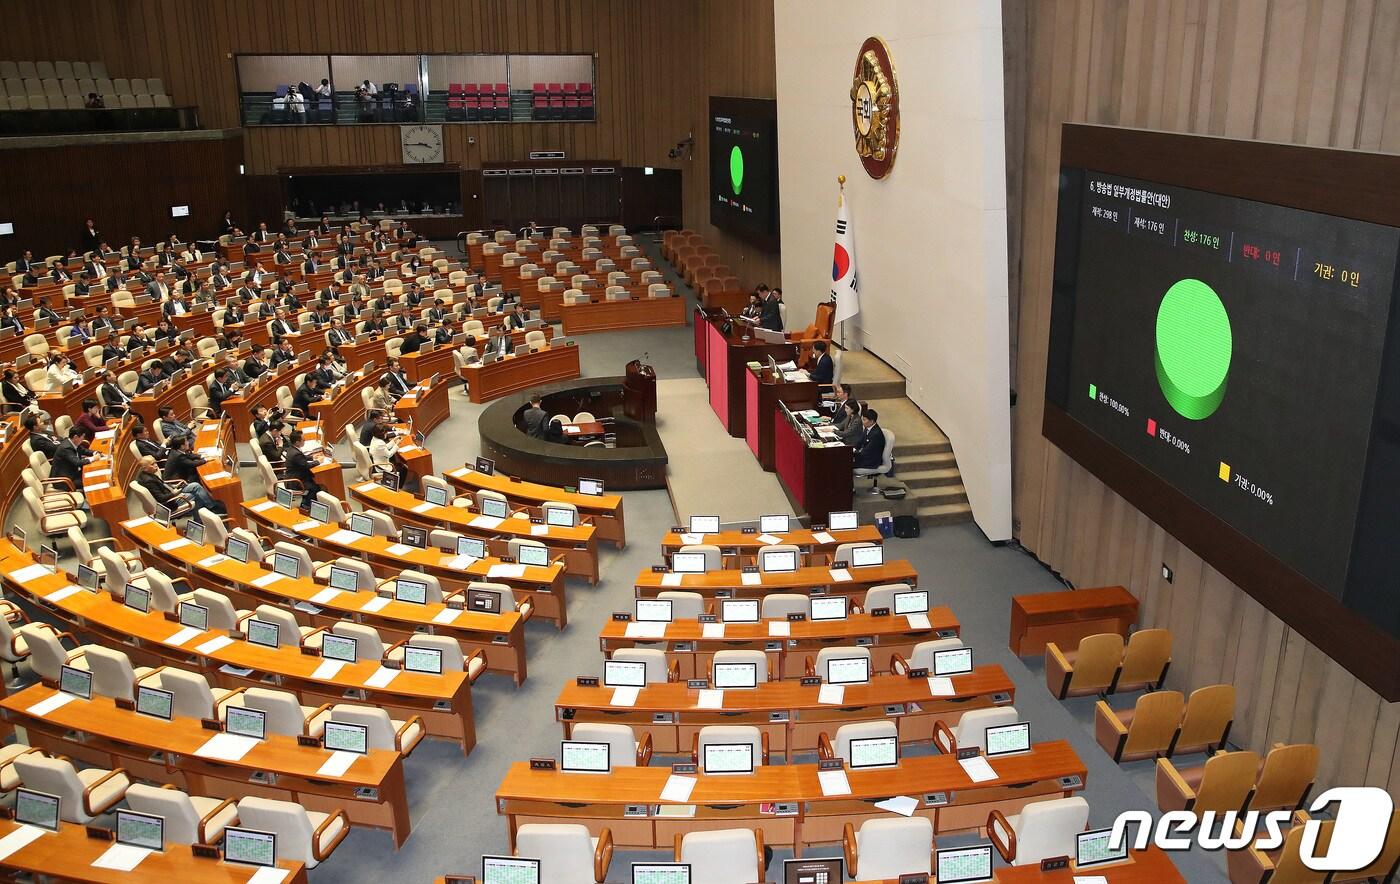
(769, 539)
(424, 507)
(840, 575)
(268, 875)
(337, 764)
(104, 434)
(625, 697)
(751, 578)
(407, 447)
(142, 520)
(267, 579)
(19, 839)
(671, 578)
(345, 536)
(214, 645)
(678, 789)
(100, 486)
(977, 769)
(461, 473)
(458, 563)
(799, 375)
(29, 572)
(49, 704)
(378, 603)
(184, 635)
(507, 570)
(918, 621)
(940, 686)
(226, 747)
(832, 694)
(646, 630)
(306, 525)
(263, 506)
(538, 530)
(1090, 879)
(382, 677)
(211, 561)
(328, 669)
(779, 628)
(324, 596)
(834, 782)
(713, 630)
(446, 616)
(823, 538)
(710, 699)
(210, 452)
(214, 477)
(121, 858)
(61, 594)
(175, 544)
(692, 539)
(95, 473)
(791, 366)
(398, 549)
(570, 428)
(900, 804)
(486, 523)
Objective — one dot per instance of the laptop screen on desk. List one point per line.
(624, 674)
(284, 497)
(87, 577)
(773, 524)
(1096, 847)
(414, 537)
(320, 512)
(250, 847)
(829, 607)
(533, 554)
(154, 702)
(874, 752)
(286, 564)
(782, 561)
(487, 601)
(964, 865)
(841, 521)
(867, 556)
(194, 616)
(361, 524)
(584, 757)
(435, 494)
(36, 809)
(260, 632)
(591, 487)
(194, 531)
(663, 873)
(704, 524)
(245, 722)
(560, 517)
(738, 610)
(137, 598)
(688, 563)
(722, 758)
(141, 830)
(236, 548)
(509, 870)
(954, 661)
(813, 871)
(1008, 739)
(427, 660)
(653, 610)
(494, 508)
(736, 675)
(848, 670)
(415, 591)
(344, 579)
(343, 737)
(338, 647)
(75, 682)
(912, 602)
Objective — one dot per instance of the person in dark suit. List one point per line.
(13, 391)
(870, 446)
(170, 425)
(256, 363)
(90, 239)
(414, 340)
(501, 343)
(181, 463)
(300, 467)
(536, 418)
(41, 436)
(42, 310)
(281, 325)
(337, 335)
(272, 444)
(772, 317)
(219, 279)
(147, 446)
(224, 386)
(85, 284)
(517, 318)
(114, 399)
(24, 262)
(374, 325)
(58, 273)
(153, 374)
(375, 419)
(824, 368)
(398, 381)
(307, 393)
(68, 459)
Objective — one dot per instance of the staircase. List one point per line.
(924, 459)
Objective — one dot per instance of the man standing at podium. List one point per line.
(772, 317)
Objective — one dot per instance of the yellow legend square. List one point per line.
(1224, 471)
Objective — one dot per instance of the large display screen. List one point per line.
(744, 167)
(1232, 343)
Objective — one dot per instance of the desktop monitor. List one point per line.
(17, 536)
(260, 632)
(867, 556)
(955, 661)
(154, 702)
(141, 830)
(344, 579)
(584, 757)
(361, 524)
(320, 512)
(915, 601)
(428, 660)
(487, 601)
(340, 736)
(509, 869)
(704, 524)
(728, 758)
(137, 598)
(245, 722)
(1009, 739)
(653, 610)
(414, 537)
(533, 554)
(493, 508)
(559, 517)
(660, 873)
(591, 487)
(413, 591)
(286, 564)
(688, 563)
(471, 546)
(75, 681)
(829, 607)
(813, 871)
(284, 497)
(624, 674)
(87, 578)
(48, 557)
(1095, 847)
(964, 865)
(738, 610)
(389, 481)
(162, 515)
(874, 752)
(435, 494)
(773, 524)
(735, 675)
(842, 521)
(194, 530)
(36, 809)
(485, 465)
(848, 670)
(194, 616)
(338, 647)
(236, 548)
(250, 846)
(779, 561)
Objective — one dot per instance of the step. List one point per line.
(945, 514)
(928, 478)
(871, 390)
(937, 495)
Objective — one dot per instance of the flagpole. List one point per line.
(841, 201)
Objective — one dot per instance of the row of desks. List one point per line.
(636, 312)
(516, 372)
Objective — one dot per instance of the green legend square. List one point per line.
(1093, 392)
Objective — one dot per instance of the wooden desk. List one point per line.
(577, 546)
(816, 480)
(424, 407)
(762, 393)
(345, 405)
(487, 381)
(1150, 866)
(97, 732)
(614, 315)
(726, 364)
(69, 853)
(730, 583)
(1066, 617)
(733, 801)
(686, 642)
(500, 636)
(744, 548)
(260, 391)
(802, 716)
(422, 366)
(387, 557)
(212, 439)
(604, 512)
(106, 476)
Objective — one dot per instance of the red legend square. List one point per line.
(1151, 427)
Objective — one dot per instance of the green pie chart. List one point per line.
(736, 169)
(1194, 346)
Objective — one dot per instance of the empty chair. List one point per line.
(616, 293)
(44, 69)
(13, 647)
(1284, 864)
(121, 86)
(684, 605)
(568, 853)
(284, 715)
(191, 695)
(303, 836)
(778, 605)
(881, 595)
(289, 632)
(657, 668)
(624, 749)
(98, 68)
(450, 650)
(368, 645)
(383, 733)
(1285, 778)
(433, 593)
(1223, 783)
(189, 819)
(222, 614)
(715, 734)
(1041, 830)
(296, 551)
(523, 606)
(47, 655)
(1210, 711)
(154, 86)
(113, 675)
(840, 746)
(971, 729)
(821, 668)
(763, 556)
(27, 69)
(514, 545)
(1147, 730)
(215, 531)
(1090, 669)
(735, 655)
(658, 290)
(1146, 660)
(365, 579)
(922, 655)
(83, 795)
(724, 856)
(889, 848)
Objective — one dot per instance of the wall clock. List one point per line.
(421, 144)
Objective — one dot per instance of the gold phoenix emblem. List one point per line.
(875, 108)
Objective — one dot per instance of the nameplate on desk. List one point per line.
(749, 569)
(304, 740)
(212, 724)
(796, 617)
(697, 684)
(459, 879)
(968, 752)
(709, 618)
(97, 833)
(1054, 863)
(688, 767)
(587, 681)
(659, 569)
(748, 530)
(125, 704)
(811, 681)
(817, 527)
(542, 764)
(830, 764)
(677, 529)
(913, 878)
(310, 652)
(919, 672)
(506, 560)
(840, 565)
(455, 605)
(621, 617)
(204, 851)
(7, 813)
(879, 612)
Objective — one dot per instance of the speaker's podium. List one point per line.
(724, 347)
(639, 392)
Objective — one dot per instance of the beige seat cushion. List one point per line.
(107, 793)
